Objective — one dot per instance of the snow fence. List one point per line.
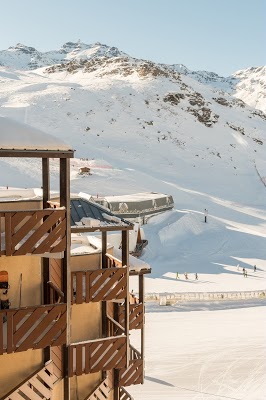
(171, 298)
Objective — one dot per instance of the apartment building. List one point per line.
(66, 309)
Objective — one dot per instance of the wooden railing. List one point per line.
(97, 355)
(32, 328)
(113, 327)
(38, 386)
(136, 315)
(32, 232)
(101, 392)
(99, 285)
(55, 295)
(134, 374)
(124, 395)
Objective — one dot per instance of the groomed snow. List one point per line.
(204, 353)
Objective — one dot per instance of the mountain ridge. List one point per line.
(248, 84)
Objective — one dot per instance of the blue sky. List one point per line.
(215, 35)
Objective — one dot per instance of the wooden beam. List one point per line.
(104, 249)
(125, 261)
(66, 274)
(103, 303)
(37, 153)
(45, 182)
(106, 228)
(142, 300)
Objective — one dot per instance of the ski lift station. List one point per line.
(138, 205)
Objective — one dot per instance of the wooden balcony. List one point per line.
(134, 374)
(38, 386)
(97, 355)
(32, 327)
(99, 285)
(32, 232)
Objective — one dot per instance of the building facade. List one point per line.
(64, 318)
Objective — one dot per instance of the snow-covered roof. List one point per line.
(18, 136)
(18, 194)
(136, 197)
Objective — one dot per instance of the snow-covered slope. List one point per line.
(142, 126)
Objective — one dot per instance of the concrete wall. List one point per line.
(24, 272)
(16, 367)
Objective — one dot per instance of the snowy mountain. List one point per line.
(142, 126)
(248, 85)
(28, 58)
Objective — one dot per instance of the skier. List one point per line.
(255, 268)
(196, 276)
(186, 276)
(205, 215)
(177, 276)
(244, 272)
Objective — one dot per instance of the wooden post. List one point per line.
(66, 274)
(45, 182)
(45, 261)
(141, 300)
(104, 303)
(125, 261)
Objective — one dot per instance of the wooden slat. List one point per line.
(47, 243)
(53, 331)
(49, 380)
(61, 246)
(9, 333)
(15, 396)
(18, 217)
(2, 314)
(118, 280)
(124, 395)
(87, 358)
(56, 273)
(29, 392)
(40, 387)
(8, 234)
(38, 234)
(70, 361)
(61, 339)
(79, 369)
(46, 341)
(88, 285)
(79, 289)
(28, 226)
(24, 328)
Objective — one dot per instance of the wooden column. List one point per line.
(45, 182)
(46, 198)
(125, 262)
(66, 274)
(45, 261)
(142, 299)
(104, 303)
